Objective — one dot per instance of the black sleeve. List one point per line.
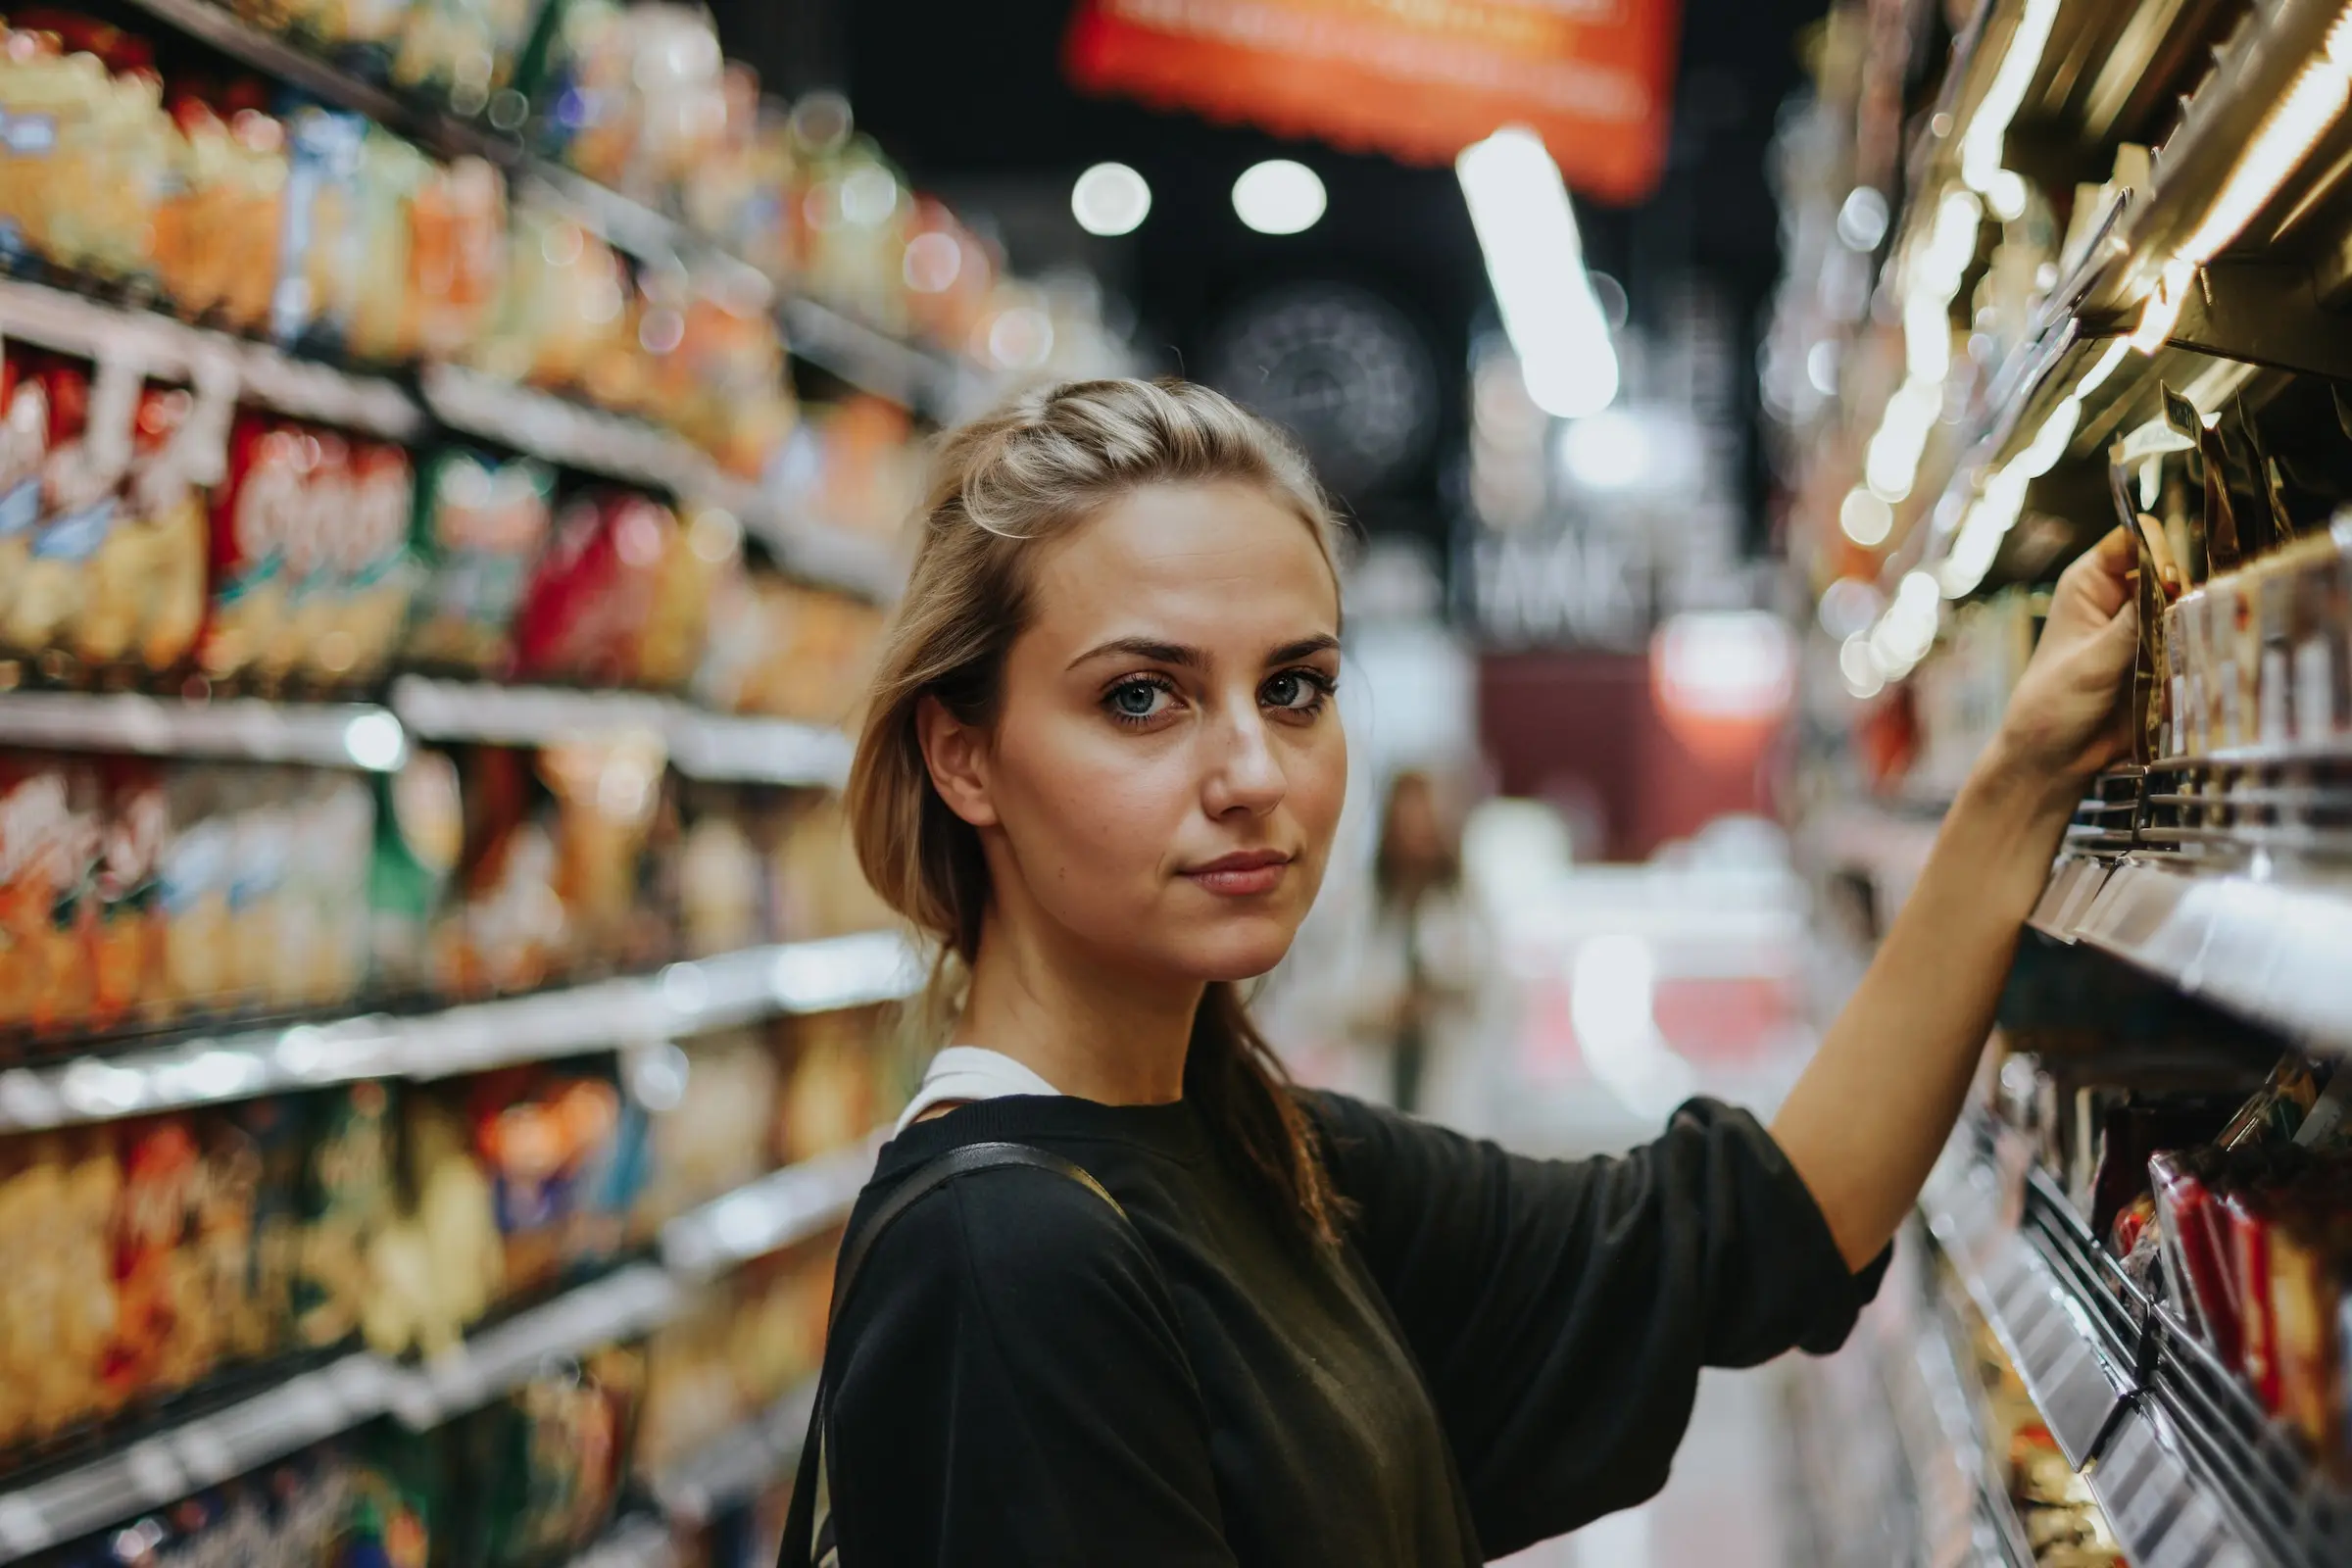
(1562, 1310)
(1010, 1389)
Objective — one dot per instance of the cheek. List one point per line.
(1079, 800)
(1318, 787)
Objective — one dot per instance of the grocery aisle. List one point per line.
(2120, 1331)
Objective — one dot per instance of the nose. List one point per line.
(1244, 777)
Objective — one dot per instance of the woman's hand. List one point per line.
(2068, 717)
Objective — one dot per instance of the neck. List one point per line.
(1087, 1029)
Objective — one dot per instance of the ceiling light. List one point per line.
(1536, 262)
(1111, 199)
(1278, 197)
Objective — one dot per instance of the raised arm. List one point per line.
(1865, 1123)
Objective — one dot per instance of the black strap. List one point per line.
(808, 1539)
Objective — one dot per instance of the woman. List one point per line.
(1101, 765)
(1411, 983)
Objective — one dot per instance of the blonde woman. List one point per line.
(1117, 1293)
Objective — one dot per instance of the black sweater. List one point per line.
(1505, 1348)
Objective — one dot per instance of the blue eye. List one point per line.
(1296, 691)
(1136, 701)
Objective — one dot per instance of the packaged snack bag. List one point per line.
(830, 1097)
(258, 515)
(535, 1135)
(695, 558)
(480, 527)
(2306, 1299)
(194, 881)
(593, 594)
(127, 965)
(374, 574)
(349, 1196)
(276, 1129)
(506, 927)
(324, 942)
(318, 524)
(220, 232)
(162, 1338)
(441, 1265)
(57, 1204)
(456, 261)
(419, 836)
(23, 455)
(721, 875)
(142, 596)
(2197, 1262)
(607, 796)
(325, 226)
(266, 972)
(89, 447)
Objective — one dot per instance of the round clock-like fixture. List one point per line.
(1342, 369)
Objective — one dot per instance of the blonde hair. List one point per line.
(1000, 486)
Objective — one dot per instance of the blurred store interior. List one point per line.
(454, 466)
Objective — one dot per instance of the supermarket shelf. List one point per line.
(311, 1407)
(700, 745)
(682, 1000)
(874, 360)
(2253, 303)
(1965, 1516)
(72, 324)
(274, 56)
(573, 434)
(203, 1451)
(740, 1465)
(2182, 1459)
(634, 451)
(2258, 940)
(341, 735)
(859, 354)
(619, 1306)
(779, 1210)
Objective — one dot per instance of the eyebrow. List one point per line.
(1177, 654)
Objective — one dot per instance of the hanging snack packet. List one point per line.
(480, 527)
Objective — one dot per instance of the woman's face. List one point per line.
(1160, 785)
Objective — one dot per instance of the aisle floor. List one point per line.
(1724, 1506)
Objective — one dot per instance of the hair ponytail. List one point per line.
(1000, 485)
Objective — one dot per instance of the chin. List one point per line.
(1244, 951)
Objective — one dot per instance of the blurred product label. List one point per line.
(1420, 81)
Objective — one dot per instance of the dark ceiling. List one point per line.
(970, 100)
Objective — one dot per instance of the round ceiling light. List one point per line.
(1110, 200)
(1278, 197)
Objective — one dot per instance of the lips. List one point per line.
(1243, 874)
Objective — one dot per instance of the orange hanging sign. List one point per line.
(1419, 80)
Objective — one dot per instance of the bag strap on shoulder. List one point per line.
(809, 1525)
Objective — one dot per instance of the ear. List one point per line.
(956, 755)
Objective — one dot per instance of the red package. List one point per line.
(256, 514)
(2196, 1254)
(2250, 1223)
(592, 596)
